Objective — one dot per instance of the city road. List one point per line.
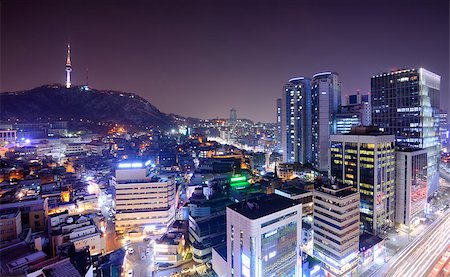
(418, 257)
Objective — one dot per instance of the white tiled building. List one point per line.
(336, 228)
(143, 202)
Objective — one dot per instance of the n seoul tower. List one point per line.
(68, 67)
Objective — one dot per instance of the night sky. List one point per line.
(201, 58)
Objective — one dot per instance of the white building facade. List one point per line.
(264, 237)
(336, 229)
(411, 187)
(143, 203)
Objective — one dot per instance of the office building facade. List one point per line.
(411, 188)
(346, 121)
(143, 203)
(356, 112)
(296, 120)
(443, 130)
(264, 237)
(336, 228)
(405, 103)
(365, 160)
(278, 119)
(326, 103)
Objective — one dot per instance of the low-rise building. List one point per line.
(17, 258)
(34, 211)
(10, 226)
(80, 231)
(75, 148)
(169, 248)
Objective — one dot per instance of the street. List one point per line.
(140, 263)
(397, 243)
(418, 257)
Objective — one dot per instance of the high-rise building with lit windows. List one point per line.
(278, 118)
(365, 160)
(326, 103)
(336, 228)
(233, 115)
(357, 112)
(143, 202)
(443, 130)
(405, 103)
(264, 237)
(411, 188)
(296, 120)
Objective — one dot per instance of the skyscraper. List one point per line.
(443, 129)
(264, 237)
(278, 116)
(296, 119)
(405, 103)
(326, 103)
(68, 68)
(233, 115)
(365, 159)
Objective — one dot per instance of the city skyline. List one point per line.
(138, 138)
(246, 55)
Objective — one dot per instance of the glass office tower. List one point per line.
(405, 103)
(296, 120)
(365, 160)
(326, 103)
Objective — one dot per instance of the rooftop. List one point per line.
(171, 238)
(293, 190)
(9, 216)
(338, 190)
(262, 206)
(408, 149)
(366, 131)
(222, 251)
(61, 269)
(367, 241)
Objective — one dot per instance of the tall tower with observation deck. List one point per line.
(68, 68)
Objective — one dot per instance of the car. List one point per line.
(186, 270)
(147, 239)
(142, 255)
(147, 251)
(130, 250)
(130, 273)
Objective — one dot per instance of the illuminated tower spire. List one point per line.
(68, 67)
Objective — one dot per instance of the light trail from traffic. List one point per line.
(418, 257)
